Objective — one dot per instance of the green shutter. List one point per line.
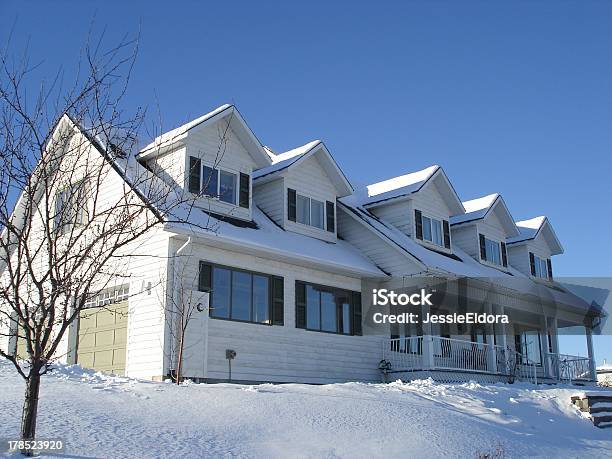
(357, 317)
(483, 247)
(418, 221)
(245, 190)
(549, 267)
(277, 298)
(331, 216)
(504, 254)
(532, 263)
(447, 241)
(195, 171)
(205, 277)
(300, 304)
(291, 204)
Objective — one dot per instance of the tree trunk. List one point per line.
(30, 408)
(179, 359)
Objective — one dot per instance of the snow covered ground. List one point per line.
(104, 416)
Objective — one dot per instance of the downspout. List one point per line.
(175, 298)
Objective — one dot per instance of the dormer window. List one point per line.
(218, 183)
(493, 251)
(309, 211)
(432, 230)
(540, 267)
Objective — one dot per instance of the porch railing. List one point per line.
(440, 353)
(568, 368)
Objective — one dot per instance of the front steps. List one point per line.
(598, 405)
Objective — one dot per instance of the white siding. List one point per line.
(270, 198)
(466, 238)
(285, 353)
(401, 213)
(518, 258)
(384, 255)
(309, 179)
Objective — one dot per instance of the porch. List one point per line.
(477, 360)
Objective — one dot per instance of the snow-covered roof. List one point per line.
(174, 134)
(237, 123)
(281, 161)
(284, 161)
(532, 228)
(407, 184)
(480, 208)
(460, 263)
(271, 239)
(401, 185)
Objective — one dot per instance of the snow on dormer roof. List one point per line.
(475, 209)
(404, 185)
(283, 161)
(238, 126)
(532, 228)
(401, 185)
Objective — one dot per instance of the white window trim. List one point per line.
(538, 260)
(310, 198)
(432, 243)
(501, 257)
(219, 170)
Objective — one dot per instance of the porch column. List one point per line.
(428, 358)
(491, 351)
(589, 337)
(503, 336)
(547, 364)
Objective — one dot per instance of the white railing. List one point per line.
(404, 353)
(563, 367)
(456, 354)
(407, 354)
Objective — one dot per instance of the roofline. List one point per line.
(177, 229)
(486, 214)
(407, 195)
(537, 233)
(318, 145)
(116, 167)
(351, 211)
(150, 151)
(145, 152)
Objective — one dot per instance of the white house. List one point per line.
(282, 249)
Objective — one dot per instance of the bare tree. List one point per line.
(73, 202)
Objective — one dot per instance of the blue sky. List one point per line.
(509, 97)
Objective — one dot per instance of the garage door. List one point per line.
(102, 338)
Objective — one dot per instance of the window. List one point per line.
(242, 295)
(492, 251)
(210, 184)
(303, 209)
(327, 309)
(109, 296)
(541, 267)
(70, 208)
(310, 211)
(227, 187)
(219, 183)
(432, 230)
(528, 344)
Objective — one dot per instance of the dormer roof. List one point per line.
(403, 186)
(170, 139)
(534, 228)
(282, 162)
(480, 208)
